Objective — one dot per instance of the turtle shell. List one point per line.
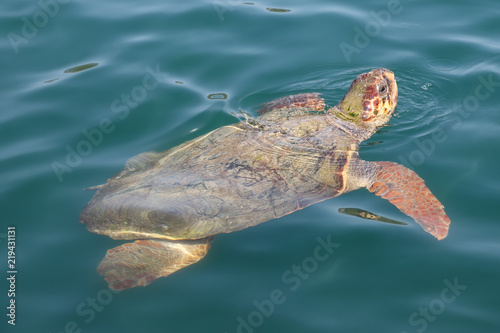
(229, 179)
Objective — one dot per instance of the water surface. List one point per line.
(114, 79)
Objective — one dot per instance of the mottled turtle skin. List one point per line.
(296, 153)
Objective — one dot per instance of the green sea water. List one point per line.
(87, 85)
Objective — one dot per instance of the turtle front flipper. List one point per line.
(407, 191)
(310, 101)
(139, 263)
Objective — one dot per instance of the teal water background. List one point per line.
(212, 59)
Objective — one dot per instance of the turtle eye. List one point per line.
(383, 90)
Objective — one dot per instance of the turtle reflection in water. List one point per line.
(296, 153)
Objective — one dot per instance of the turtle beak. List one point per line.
(393, 87)
(388, 93)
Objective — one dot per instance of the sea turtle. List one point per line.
(296, 153)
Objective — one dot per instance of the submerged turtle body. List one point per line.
(293, 155)
(232, 178)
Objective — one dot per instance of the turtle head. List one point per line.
(371, 99)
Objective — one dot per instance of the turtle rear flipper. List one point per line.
(139, 263)
(407, 191)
